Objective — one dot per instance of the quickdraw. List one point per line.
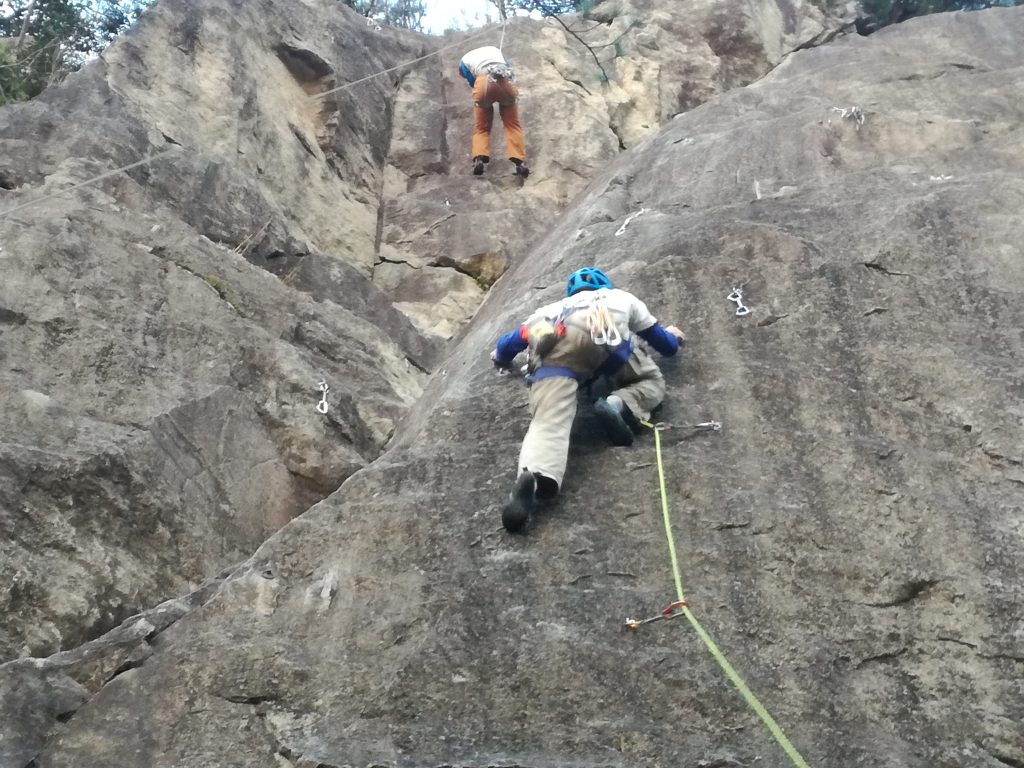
(671, 611)
(321, 407)
(704, 426)
(737, 297)
(601, 325)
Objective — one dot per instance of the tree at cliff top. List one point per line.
(47, 39)
(406, 14)
(875, 14)
(543, 7)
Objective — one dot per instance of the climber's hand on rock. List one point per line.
(680, 336)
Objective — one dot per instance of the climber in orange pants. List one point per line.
(493, 82)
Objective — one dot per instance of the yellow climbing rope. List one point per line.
(683, 606)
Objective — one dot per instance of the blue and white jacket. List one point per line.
(631, 316)
(477, 60)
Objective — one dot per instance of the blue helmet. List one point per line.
(587, 279)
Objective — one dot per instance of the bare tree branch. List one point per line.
(24, 28)
(585, 44)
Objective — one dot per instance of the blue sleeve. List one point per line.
(663, 341)
(508, 346)
(464, 71)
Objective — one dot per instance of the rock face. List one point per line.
(300, 220)
(446, 236)
(852, 537)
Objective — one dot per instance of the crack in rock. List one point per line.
(906, 592)
(879, 657)
(885, 270)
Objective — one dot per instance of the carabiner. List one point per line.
(321, 407)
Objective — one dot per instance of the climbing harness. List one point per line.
(321, 407)
(683, 607)
(629, 218)
(496, 72)
(671, 611)
(741, 308)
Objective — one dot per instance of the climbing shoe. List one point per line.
(615, 422)
(520, 503)
(478, 165)
(522, 170)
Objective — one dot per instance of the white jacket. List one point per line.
(629, 313)
(479, 58)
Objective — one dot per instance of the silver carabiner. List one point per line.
(614, 338)
(737, 297)
(321, 407)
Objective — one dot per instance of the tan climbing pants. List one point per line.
(640, 384)
(545, 448)
(503, 92)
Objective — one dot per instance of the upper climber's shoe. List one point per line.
(478, 166)
(615, 422)
(522, 169)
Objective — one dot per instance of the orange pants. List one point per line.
(486, 93)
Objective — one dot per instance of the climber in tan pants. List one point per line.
(493, 81)
(586, 335)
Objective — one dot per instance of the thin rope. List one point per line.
(399, 66)
(719, 657)
(93, 180)
(501, 45)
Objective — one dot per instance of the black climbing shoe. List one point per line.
(478, 165)
(614, 422)
(520, 503)
(522, 170)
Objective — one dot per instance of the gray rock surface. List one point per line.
(852, 537)
(648, 61)
(164, 331)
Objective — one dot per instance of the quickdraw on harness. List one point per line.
(601, 325)
(496, 72)
(542, 335)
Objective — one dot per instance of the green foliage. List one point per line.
(875, 14)
(406, 14)
(43, 40)
(549, 7)
(11, 87)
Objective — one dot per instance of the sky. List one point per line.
(463, 14)
(441, 14)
